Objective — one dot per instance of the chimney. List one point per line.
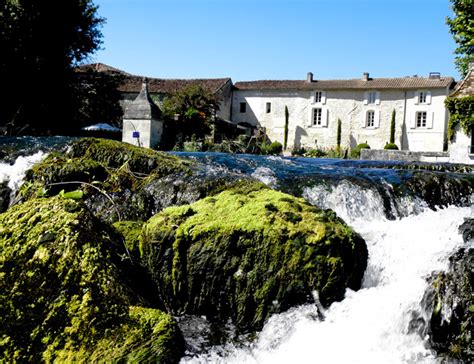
(434, 76)
(365, 76)
(309, 77)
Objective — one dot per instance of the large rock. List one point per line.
(449, 302)
(65, 291)
(121, 181)
(249, 252)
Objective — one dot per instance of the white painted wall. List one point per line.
(351, 107)
(150, 132)
(431, 138)
(459, 149)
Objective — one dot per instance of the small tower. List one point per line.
(142, 121)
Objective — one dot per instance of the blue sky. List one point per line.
(277, 39)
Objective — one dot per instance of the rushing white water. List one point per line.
(14, 173)
(372, 324)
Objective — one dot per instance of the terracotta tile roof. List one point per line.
(133, 83)
(167, 86)
(100, 67)
(372, 83)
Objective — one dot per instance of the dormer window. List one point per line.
(423, 97)
(317, 96)
(371, 97)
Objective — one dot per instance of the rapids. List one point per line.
(406, 241)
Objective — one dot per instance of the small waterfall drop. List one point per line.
(14, 173)
(372, 324)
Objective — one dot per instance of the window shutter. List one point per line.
(413, 122)
(310, 119)
(377, 98)
(417, 97)
(323, 97)
(376, 118)
(428, 97)
(313, 98)
(429, 120)
(325, 117)
(366, 99)
(363, 120)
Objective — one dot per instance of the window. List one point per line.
(318, 95)
(372, 97)
(243, 107)
(421, 119)
(317, 117)
(422, 97)
(268, 108)
(370, 119)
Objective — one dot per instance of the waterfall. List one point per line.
(371, 325)
(14, 173)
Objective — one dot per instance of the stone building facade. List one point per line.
(363, 105)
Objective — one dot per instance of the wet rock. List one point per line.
(250, 252)
(121, 181)
(4, 196)
(449, 302)
(440, 189)
(66, 291)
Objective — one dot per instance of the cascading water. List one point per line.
(405, 239)
(373, 324)
(14, 173)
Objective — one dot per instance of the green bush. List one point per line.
(355, 153)
(273, 148)
(390, 146)
(298, 151)
(315, 153)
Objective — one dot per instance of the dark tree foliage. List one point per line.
(392, 127)
(287, 119)
(191, 111)
(41, 42)
(461, 26)
(96, 98)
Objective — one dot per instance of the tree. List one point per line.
(392, 127)
(41, 42)
(191, 111)
(339, 132)
(287, 119)
(461, 27)
(96, 98)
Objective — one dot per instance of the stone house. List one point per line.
(461, 149)
(363, 105)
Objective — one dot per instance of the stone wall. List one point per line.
(404, 155)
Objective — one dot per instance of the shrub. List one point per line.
(390, 146)
(315, 153)
(355, 153)
(273, 148)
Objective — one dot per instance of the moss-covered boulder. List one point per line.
(65, 289)
(449, 302)
(121, 181)
(249, 252)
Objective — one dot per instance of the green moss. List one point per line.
(236, 253)
(150, 336)
(130, 230)
(115, 154)
(62, 286)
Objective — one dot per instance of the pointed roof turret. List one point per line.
(143, 106)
